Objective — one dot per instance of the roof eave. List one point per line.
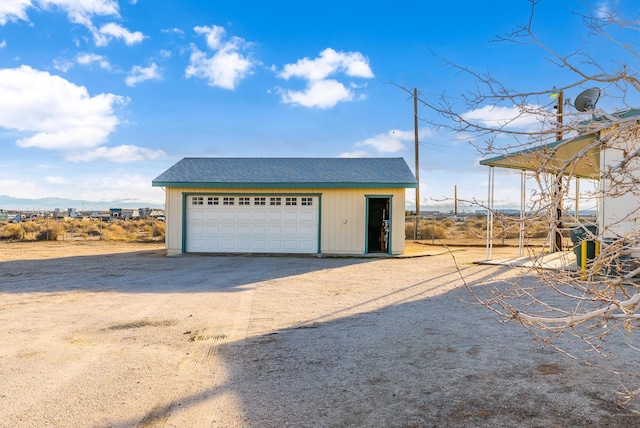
(280, 185)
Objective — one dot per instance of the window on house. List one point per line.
(197, 200)
(228, 200)
(306, 201)
(291, 201)
(275, 201)
(243, 200)
(259, 200)
(212, 200)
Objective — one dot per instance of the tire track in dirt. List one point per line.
(202, 396)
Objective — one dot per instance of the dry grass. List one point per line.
(473, 231)
(87, 229)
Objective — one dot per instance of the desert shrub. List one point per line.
(30, 227)
(447, 223)
(13, 231)
(91, 230)
(114, 232)
(476, 224)
(72, 226)
(507, 228)
(51, 233)
(537, 229)
(408, 230)
(158, 230)
(131, 226)
(433, 231)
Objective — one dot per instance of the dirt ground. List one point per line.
(103, 334)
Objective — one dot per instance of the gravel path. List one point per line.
(120, 336)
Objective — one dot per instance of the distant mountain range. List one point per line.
(49, 204)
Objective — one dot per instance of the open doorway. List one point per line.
(378, 225)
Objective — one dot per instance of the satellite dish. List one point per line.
(587, 99)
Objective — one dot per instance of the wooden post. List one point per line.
(415, 131)
(557, 242)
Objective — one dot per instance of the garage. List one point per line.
(317, 206)
(252, 223)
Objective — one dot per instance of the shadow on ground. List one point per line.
(120, 272)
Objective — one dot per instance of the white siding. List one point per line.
(619, 215)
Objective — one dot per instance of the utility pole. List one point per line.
(455, 200)
(415, 131)
(557, 241)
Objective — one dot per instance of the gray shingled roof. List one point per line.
(288, 172)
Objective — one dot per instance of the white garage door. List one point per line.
(251, 224)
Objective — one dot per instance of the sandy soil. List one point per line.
(117, 335)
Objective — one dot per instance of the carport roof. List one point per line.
(288, 173)
(580, 152)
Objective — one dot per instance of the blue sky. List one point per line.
(98, 97)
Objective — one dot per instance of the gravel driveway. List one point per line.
(137, 339)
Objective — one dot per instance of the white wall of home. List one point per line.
(619, 203)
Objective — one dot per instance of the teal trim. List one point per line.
(366, 224)
(249, 185)
(184, 222)
(390, 244)
(319, 223)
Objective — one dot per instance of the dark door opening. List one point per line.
(378, 228)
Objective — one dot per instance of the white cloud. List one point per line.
(66, 139)
(321, 94)
(90, 58)
(119, 154)
(3, 44)
(355, 154)
(120, 186)
(213, 35)
(112, 30)
(329, 62)
(172, 30)
(140, 74)
(63, 65)
(390, 142)
(81, 11)
(506, 117)
(227, 66)
(54, 113)
(78, 11)
(56, 180)
(22, 189)
(321, 91)
(603, 10)
(113, 184)
(14, 10)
